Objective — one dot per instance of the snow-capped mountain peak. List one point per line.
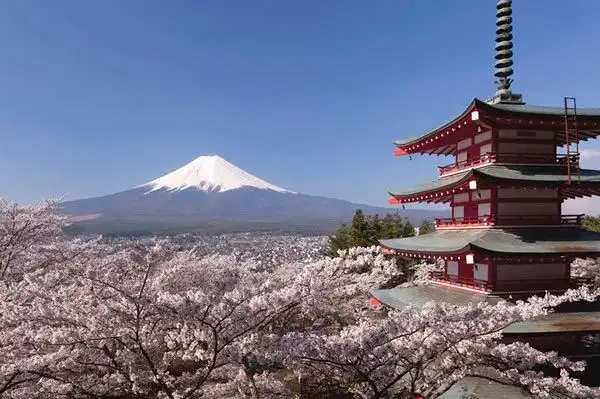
(210, 174)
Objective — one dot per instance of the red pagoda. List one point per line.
(514, 165)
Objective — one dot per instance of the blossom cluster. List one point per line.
(98, 319)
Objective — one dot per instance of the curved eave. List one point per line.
(438, 191)
(547, 175)
(586, 183)
(500, 242)
(439, 141)
(442, 140)
(439, 242)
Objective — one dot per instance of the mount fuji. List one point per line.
(211, 194)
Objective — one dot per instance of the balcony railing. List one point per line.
(485, 220)
(521, 220)
(469, 163)
(539, 159)
(511, 285)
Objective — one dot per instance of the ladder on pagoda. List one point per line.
(572, 137)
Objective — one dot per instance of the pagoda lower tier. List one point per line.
(499, 260)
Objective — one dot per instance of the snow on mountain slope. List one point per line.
(210, 174)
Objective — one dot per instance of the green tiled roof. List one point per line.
(480, 388)
(439, 241)
(520, 109)
(432, 185)
(535, 241)
(418, 296)
(542, 174)
(557, 323)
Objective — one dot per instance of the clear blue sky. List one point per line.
(98, 96)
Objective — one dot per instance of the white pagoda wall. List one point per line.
(474, 147)
(471, 204)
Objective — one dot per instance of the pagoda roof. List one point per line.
(418, 295)
(480, 387)
(442, 140)
(518, 241)
(519, 174)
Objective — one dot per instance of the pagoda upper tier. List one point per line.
(481, 117)
(496, 177)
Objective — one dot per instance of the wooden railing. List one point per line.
(489, 220)
(485, 220)
(469, 163)
(538, 159)
(462, 281)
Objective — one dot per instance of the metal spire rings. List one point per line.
(504, 47)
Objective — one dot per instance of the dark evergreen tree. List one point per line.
(367, 230)
(591, 223)
(374, 229)
(394, 226)
(359, 230)
(340, 240)
(427, 226)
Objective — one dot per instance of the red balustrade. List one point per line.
(490, 157)
(477, 221)
(489, 220)
(469, 163)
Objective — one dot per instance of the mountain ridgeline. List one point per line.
(214, 196)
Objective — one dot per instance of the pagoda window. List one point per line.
(461, 156)
(483, 137)
(485, 149)
(484, 209)
(458, 212)
(464, 144)
(452, 268)
(481, 195)
(480, 272)
(462, 197)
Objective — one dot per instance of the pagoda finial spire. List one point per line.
(504, 53)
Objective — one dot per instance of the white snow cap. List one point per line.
(211, 174)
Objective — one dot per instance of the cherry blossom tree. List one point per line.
(27, 231)
(412, 352)
(87, 319)
(587, 268)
